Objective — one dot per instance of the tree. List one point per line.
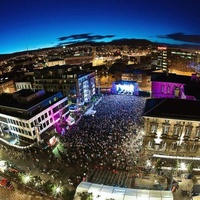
(190, 167)
(158, 166)
(86, 196)
(68, 194)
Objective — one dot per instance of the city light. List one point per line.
(27, 179)
(183, 166)
(57, 190)
(158, 138)
(148, 163)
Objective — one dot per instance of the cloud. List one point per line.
(85, 37)
(182, 37)
(74, 37)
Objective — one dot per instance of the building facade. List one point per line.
(173, 86)
(171, 127)
(78, 85)
(160, 58)
(27, 114)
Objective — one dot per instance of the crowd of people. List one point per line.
(110, 138)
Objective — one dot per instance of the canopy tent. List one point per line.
(70, 120)
(103, 192)
(90, 112)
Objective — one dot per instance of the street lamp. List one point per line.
(57, 190)
(27, 178)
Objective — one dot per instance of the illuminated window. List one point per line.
(154, 126)
(197, 131)
(188, 130)
(177, 129)
(165, 129)
(168, 89)
(162, 88)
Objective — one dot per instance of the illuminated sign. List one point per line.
(162, 48)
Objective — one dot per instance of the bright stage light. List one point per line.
(126, 88)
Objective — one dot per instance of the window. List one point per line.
(188, 130)
(154, 126)
(151, 144)
(176, 92)
(177, 130)
(173, 145)
(193, 148)
(165, 129)
(162, 88)
(32, 124)
(197, 134)
(168, 89)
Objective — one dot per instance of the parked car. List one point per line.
(5, 183)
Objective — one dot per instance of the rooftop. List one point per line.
(12, 100)
(172, 78)
(172, 108)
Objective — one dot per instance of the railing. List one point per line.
(17, 146)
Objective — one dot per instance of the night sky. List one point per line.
(34, 24)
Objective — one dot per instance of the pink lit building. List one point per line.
(164, 85)
(27, 114)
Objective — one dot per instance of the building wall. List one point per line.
(7, 87)
(54, 63)
(77, 89)
(166, 90)
(25, 129)
(171, 137)
(23, 85)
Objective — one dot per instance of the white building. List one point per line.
(104, 192)
(26, 114)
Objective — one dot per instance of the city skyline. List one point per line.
(40, 24)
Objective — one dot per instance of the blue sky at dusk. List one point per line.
(34, 24)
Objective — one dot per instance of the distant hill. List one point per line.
(120, 42)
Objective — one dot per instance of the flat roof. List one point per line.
(6, 99)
